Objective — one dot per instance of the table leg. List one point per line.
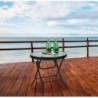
(58, 70)
(36, 75)
(37, 63)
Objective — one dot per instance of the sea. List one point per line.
(13, 56)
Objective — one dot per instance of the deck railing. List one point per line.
(63, 46)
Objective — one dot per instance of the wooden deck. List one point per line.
(80, 76)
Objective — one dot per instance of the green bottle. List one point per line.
(48, 46)
(55, 46)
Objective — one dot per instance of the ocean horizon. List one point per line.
(14, 56)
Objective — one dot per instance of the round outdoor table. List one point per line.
(54, 57)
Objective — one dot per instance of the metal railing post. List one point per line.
(63, 44)
(87, 47)
(32, 50)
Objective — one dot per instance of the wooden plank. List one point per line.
(55, 86)
(4, 77)
(25, 80)
(5, 67)
(11, 81)
(48, 89)
(2, 66)
(93, 68)
(64, 89)
(79, 82)
(63, 86)
(80, 78)
(85, 83)
(31, 88)
(38, 88)
(89, 74)
(73, 84)
(47, 85)
(43, 74)
(15, 89)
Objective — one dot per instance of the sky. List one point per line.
(42, 18)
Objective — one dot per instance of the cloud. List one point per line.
(16, 10)
(88, 14)
(77, 21)
(40, 10)
(52, 23)
(38, 18)
(46, 9)
(76, 27)
(68, 22)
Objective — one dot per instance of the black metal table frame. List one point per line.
(38, 62)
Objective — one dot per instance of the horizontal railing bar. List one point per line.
(19, 41)
(74, 41)
(93, 40)
(59, 40)
(25, 41)
(14, 49)
(93, 45)
(74, 46)
(23, 48)
(45, 47)
(80, 46)
(39, 41)
(81, 41)
(46, 41)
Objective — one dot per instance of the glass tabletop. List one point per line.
(50, 56)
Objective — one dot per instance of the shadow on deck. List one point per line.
(80, 76)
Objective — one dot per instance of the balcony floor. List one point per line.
(80, 76)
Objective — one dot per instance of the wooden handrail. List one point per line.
(1, 49)
(41, 41)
